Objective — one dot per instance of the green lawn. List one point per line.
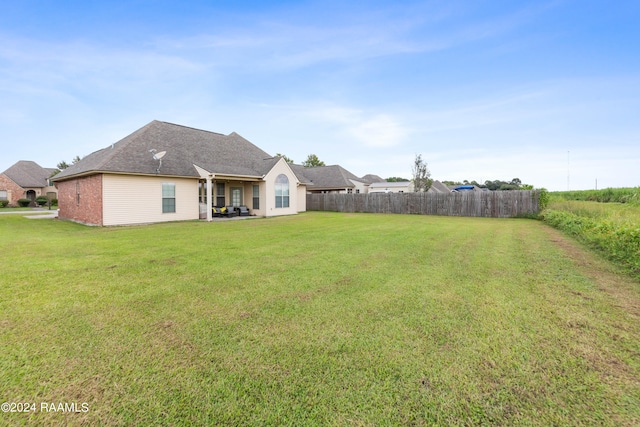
(316, 319)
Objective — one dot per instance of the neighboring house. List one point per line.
(26, 180)
(331, 179)
(125, 183)
(391, 187)
(370, 178)
(438, 187)
(464, 187)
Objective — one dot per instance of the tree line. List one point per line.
(496, 185)
(421, 176)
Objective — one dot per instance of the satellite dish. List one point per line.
(160, 155)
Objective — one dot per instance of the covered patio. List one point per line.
(218, 195)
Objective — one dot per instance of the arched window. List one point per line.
(282, 191)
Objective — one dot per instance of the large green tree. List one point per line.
(312, 161)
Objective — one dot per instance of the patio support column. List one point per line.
(209, 200)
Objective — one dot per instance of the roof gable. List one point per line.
(438, 187)
(27, 173)
(371, 178)
(326, 177)
(185, 147)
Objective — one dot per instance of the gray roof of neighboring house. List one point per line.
(216, 153)
(326, 177)
(370, 178)
(438, 187)
(27, 174)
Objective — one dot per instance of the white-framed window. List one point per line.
(168, 197)
(220, 199)
(282, 191)
(256, 196)
(4, 195)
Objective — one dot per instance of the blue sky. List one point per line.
(546, 91)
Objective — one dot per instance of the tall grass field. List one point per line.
(610, 227)
(314, 319)
(606, 195)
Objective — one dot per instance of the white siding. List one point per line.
(360, 187)
(138, 199)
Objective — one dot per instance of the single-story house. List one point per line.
(370, 178)
(438, 187)
(391, 187)
(26, 180)
(334, 179)
(331, 179)
(168, 172)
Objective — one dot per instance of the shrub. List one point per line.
(42, 200)
(619, 241)
(4, 203)
(543, 200)
(23, 203)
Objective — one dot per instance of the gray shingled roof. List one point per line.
(438, 187)
(219, 154)
(326, 177)
(370, 178)
(299, 170)
(27, 174)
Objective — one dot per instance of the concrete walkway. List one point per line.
(35, 213)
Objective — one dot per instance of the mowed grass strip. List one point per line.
(316, 319)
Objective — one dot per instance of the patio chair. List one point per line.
(229, 211)
(217, 212)
(243, 211)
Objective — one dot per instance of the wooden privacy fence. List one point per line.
(493, 204)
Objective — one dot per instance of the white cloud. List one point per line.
(370, 129)
(380, 130)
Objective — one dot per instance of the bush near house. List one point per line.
(4, 203)
(42, 200)
(23, 203)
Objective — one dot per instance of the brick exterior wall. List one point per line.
(80, 200)
(14, 191)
